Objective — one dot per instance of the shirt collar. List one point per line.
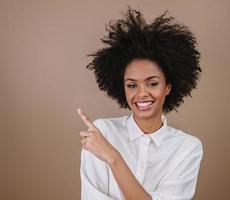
(135, 132)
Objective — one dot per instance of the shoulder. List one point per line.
(178, 134)
(186, 141)
(103, 124)
(114, 121)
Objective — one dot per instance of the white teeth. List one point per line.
(144, 104)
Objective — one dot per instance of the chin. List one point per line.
(146, 114)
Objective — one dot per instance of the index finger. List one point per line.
(85, 119)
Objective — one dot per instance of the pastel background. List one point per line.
(43, 48)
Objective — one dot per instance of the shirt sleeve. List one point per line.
(94, 175)
(180, 183)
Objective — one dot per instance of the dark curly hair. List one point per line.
(171, 45)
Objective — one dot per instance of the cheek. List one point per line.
(159, 94)
(129, 95)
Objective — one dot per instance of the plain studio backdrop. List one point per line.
(43, 79)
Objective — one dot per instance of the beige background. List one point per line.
(43, 47)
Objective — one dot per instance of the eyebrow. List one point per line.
(151, 77)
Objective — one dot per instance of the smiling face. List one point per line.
(145, 89)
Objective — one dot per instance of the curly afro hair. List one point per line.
(171, 45)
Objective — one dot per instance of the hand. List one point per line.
(93, 141)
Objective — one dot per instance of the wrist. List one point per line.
(114, 158)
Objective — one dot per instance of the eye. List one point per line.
(152, 84)
(131, 86)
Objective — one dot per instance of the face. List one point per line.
(145, 88)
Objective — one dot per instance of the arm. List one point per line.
(94, 141)
(94, 177)
(127, 182)
(180, 182)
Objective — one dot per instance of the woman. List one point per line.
(149, 69)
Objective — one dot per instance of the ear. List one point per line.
(168, 88)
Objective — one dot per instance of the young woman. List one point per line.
(149, 69)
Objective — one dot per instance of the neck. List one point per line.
(149, 125)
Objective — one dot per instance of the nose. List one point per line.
(142, 91)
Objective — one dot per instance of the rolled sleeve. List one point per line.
(180, 183)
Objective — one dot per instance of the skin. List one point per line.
(144, 81)
(139, 87)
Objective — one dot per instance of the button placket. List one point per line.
(142, 158)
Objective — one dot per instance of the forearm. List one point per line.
(128, 184)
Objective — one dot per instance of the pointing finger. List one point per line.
(86, 119)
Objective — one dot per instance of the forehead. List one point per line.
(142, 68)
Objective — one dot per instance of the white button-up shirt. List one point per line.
(166, 162)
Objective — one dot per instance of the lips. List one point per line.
(144, 105)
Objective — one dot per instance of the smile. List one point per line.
(144, 105)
